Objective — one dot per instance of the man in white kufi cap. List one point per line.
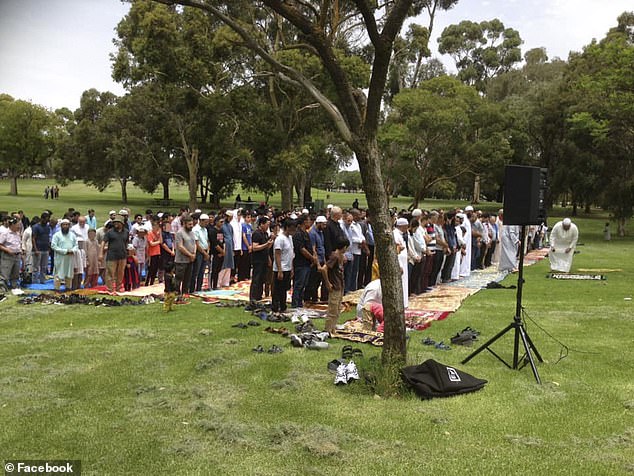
(563, 241)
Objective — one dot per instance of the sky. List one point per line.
(53, 50)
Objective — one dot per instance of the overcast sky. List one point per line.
(53, 50)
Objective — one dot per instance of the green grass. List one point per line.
(131, 390)
(77, 195)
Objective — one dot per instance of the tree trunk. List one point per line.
(192, 183)
(124, 189)
(166, 188)
(14, 186)
(476, 189)
(394, 349)
(587, 209)
(300, 188)
(574, 208)
(419, 196)
(286, 190)
(308, 194)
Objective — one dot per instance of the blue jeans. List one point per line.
(300, 281)
(198, 273)
(351, 273)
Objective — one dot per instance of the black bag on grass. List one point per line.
(432, 379)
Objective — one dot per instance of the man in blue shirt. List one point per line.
(316, 235)
(41, 238)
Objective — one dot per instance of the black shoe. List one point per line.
(275, 350)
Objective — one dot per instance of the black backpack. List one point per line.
(432, 379)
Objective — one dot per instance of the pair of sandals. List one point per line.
(241, 325)
(277, 330)
(348, 353)
(274, 349)
(438, 345)
(465, 337)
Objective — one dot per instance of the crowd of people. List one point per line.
(317, 257)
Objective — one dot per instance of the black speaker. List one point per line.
(524, 195)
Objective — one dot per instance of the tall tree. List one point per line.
(481, 50)
(355, 116)
(25, 141)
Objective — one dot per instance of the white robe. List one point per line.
(560, 240)
(402, 262)
(465, 265)
(61, 244)
(509, 242)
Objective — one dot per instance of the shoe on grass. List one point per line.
(351, 372)
(341, 378)
(296, 341)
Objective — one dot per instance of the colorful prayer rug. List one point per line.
(577, 277)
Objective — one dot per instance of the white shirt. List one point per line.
(80, 232)
(356, 238)
(285, 244)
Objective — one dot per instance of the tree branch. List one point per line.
(329, 107)
(370, 21)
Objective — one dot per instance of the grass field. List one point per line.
(131, 390)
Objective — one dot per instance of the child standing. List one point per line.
(92, 260)
(332, 273)
(131, 272)
(170, 287)
(140, 245)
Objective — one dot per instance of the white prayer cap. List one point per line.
(65, 221)
(321, 219)
(305, 211)
(204, 216)
(567, 221)
(123, 211)
(130, 247)
(159, 214)
(468, 208)
(229, 212)
(330, 205)
(402, 222)
(417, 212)
(293, 216)
(198, 210)
(112, 212)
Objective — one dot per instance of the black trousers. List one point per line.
(244, 266)
(216, 266)
(416, 277)
(257, 281)
(280, 288)
(448, 268)
(152, 270)
(183, 276)
(437, 264)
(314, 283)
(489, 256)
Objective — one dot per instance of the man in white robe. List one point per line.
(401, 247)
(465, 265)
(64, 244)
(563, 240)
(509, 242)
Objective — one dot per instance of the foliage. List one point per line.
(481, 50)
(25, 138)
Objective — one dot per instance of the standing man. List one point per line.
(244, 262)
(563, 241)
(282, 265)
(185, 245)
(41, 237)
(401, 250)
(91, 219)
(202, 253)
(11, 247)
(115, 242)
(303, 261)
(64, 244)
(261, 244)
(316, 235)
(509, 242)
(333, 232)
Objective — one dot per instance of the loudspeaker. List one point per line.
(524, 195)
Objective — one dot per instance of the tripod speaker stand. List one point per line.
(518, 326)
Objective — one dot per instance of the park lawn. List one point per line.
(31, 200)
(131, 390)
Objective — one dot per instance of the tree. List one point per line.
(25, 141)
(482, 50)
(439, 132)
(601, 117)
(355, 116)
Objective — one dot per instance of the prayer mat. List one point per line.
(353, 298)
(363, 337)
(156, 290)
(443, 298)
(577, 277)
(421, 320)
(478, 278)
(600, 270)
